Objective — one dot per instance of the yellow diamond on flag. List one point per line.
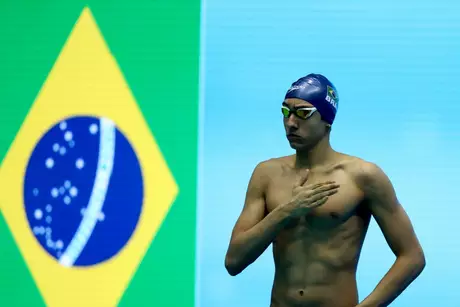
(87, 186)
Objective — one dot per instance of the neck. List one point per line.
(319, 155)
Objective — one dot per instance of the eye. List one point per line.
(285, 111)
(303, 113)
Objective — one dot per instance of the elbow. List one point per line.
(232, 266)
(417, 261)
(421, 261)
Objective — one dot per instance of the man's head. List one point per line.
(309, 109)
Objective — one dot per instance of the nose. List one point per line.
(291, 122)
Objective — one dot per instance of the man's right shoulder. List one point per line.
(272, 166)
(263, 173)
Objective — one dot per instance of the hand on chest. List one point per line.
(338, 207)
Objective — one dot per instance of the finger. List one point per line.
(318, 185)
(321, 188)
(319, 202)
(327, 187)
(318, 196)
(303, 178)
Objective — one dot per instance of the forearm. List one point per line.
(399, 277)
(249, 245)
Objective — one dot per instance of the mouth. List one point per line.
(292, 136)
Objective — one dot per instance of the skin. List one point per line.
(314, 207)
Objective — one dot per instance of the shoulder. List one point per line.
(267, 169)
(367, 175)
(372, 181)
(274, 164)
(270, 166)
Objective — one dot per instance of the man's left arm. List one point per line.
(399, 234)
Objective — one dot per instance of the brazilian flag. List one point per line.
(98, 148)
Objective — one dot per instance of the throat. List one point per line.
(320, 155)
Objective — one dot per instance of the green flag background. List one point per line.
(156, 45)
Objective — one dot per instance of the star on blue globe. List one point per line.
(83, 191)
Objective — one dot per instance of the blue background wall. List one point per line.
(396, 66)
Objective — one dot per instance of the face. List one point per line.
(303, 124)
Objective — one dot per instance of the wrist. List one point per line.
(284, 214)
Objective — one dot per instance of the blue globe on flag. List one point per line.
(83, 191)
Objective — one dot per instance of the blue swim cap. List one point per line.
(320, 92)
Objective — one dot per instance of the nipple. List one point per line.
(334, 215)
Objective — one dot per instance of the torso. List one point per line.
(316, 256)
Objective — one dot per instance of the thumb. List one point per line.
(303, 178)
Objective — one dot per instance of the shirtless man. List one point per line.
(315, 207)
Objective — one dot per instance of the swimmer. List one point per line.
(315, 207)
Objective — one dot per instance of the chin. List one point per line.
(296, 146)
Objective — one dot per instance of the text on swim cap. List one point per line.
(331, 97)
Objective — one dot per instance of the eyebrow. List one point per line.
(297, 107)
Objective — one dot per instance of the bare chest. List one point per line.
(336, 211)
